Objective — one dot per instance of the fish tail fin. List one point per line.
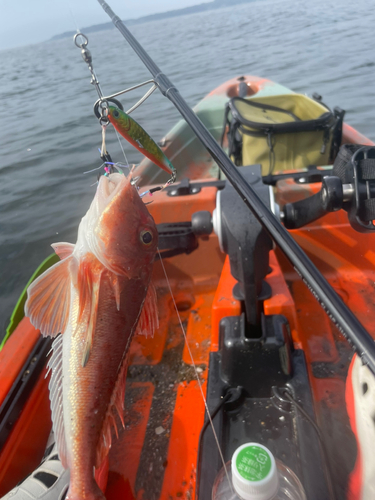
(94, 493)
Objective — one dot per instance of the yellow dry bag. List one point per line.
(282, 132)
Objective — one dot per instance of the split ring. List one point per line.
(99, 101)
(84, 43)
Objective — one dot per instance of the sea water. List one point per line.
(49, 135)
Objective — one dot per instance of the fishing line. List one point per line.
(122, 149)
(96, 168)
(196, 374)
(73, 16)
(103, 148)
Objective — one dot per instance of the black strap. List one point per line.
(226, 122)
(341, 167)
(367, 169)
(368, 210)
(234, 138)
(259, 105)
(336, 133)
(271, 157)
(325, 122)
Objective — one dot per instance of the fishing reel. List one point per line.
(351, 187)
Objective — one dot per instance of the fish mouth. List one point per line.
(109, 187)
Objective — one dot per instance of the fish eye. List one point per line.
(146, 237)
(116, 114)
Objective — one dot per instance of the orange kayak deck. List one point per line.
(155, 455)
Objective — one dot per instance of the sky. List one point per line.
(31, 21)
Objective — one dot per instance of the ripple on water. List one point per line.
(51, 135)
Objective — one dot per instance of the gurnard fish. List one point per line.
(98, 296)
(139, 138)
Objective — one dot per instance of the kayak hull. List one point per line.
(156, 453)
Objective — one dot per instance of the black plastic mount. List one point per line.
(176, 238)
(247, 243)
(312, 174)
(361, 210)
(185, 187)
(182, 237)
(246, 380)
(242, 237)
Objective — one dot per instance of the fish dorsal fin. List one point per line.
(116, 404)
(48, 299)
(92, 312)
(117, 290)
(84, 288)
(148, 321)
(63, 249)
(88, 288)
(56, 397)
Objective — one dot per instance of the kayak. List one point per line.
(237, 322)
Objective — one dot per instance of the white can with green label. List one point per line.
(254, 474)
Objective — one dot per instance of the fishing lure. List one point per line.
(139, 138)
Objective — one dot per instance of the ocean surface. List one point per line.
(49, 135)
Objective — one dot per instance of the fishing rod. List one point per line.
(338, 312)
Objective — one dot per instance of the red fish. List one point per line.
(98, 296)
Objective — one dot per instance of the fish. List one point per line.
(98, 296)
(130, 130)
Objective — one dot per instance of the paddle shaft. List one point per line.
(337, 311)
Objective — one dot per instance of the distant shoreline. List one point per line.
(203, 7)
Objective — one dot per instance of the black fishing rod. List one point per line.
(337, 311)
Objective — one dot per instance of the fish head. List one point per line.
(118, 228)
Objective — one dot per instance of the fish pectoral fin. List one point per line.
(93, 313)
(148, 321)
(63, 249)
(116, 404)
(48, 299)
(117, 291)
